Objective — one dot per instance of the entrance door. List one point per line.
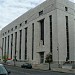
(41, 57)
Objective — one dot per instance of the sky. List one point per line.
(12, 9)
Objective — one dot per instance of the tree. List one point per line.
(14, 60)
(5, 58)
(49, 59)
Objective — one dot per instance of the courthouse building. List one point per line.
(49, 27)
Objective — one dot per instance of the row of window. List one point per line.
(40, 13)
(15, 28)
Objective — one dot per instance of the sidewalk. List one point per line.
(64, 70)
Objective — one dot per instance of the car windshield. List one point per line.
(2, 70)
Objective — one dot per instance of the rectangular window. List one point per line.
(25, 43)
(8, 46)
(26, 22)
(42, 30)
(5, 47)
(12, 29)
(8, 31)
(15, 43)
(5, 32)
(66, 8)
(2, 46)
(51, 33)
(15, 27)
(41, 12)
(32, 40)
(20, 44)
(11, 44)
(20, 24)
(67, 35)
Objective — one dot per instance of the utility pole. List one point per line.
(58, 55)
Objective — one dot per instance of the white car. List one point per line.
(3, 70)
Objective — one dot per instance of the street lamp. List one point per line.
(58, 55)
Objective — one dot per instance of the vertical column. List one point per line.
(23, 45)
(47, 36)
(6, 46)
(37, 36)
(13, 50)
(9, 46)
(2, 46)
(18, 41)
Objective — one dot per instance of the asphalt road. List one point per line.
(21, 71)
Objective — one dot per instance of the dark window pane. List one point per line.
(15, 43)
(66, 8)
(41, 12)
(20, 44)
(51, 33)
(42, 30)
(8, 47)
(11, 44)
(32, 40)
(25, 43)
(67, 35)
(26, 22)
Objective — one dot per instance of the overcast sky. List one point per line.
(11, 9)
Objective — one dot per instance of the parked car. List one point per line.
(26, 66)
(3, 70)
(10, 62)
(69, 66)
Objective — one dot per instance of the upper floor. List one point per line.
(40, 10)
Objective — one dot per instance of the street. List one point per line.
(22, 71)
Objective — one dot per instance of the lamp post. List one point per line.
(49, 64)
(58, 55)
(14, 60)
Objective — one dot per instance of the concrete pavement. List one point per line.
(54, 69)
(64, 70)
